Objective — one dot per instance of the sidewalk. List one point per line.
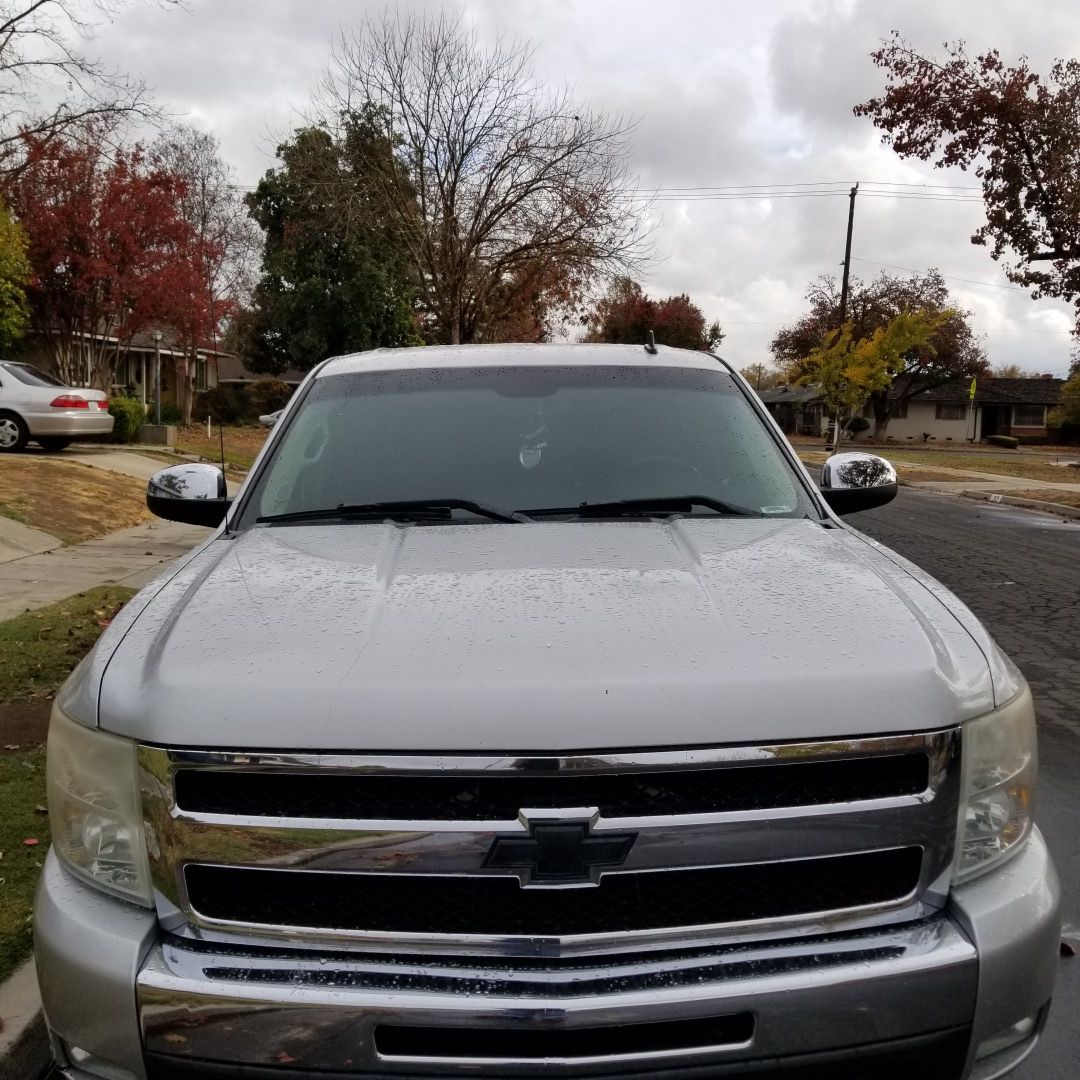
(141, 466)
(18, 540)
(130, 557)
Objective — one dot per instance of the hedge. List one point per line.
(130, 416)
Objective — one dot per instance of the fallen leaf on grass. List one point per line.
(31, 841)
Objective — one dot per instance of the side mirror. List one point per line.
(194, 494)
(852, 482)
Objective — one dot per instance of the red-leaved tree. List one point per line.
(110, 255)
(626, 315)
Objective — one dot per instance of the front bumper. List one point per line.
(115, 986)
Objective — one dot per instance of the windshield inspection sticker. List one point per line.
(776, 509)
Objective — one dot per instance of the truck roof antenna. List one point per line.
(650, 345)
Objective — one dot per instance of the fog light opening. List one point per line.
(96, 1066)
(1010, 1036)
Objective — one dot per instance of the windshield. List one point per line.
(32, 376)
(521, 439)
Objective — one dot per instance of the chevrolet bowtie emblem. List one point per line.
(559, 853)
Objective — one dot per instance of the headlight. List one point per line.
(94, 808)
(997, 807)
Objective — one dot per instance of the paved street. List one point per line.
(1020, 573)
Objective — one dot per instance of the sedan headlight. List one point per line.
(997, 807)
(94, 808)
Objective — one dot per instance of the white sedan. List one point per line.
(36, 405)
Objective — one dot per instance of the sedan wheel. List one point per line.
(13, 433)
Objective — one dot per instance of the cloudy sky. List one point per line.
(725, 94)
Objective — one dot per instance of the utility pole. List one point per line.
(157, 377)
(844, 292)
(847, 256)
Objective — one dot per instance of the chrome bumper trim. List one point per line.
(319, 1010)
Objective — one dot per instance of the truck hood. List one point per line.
(542, 637)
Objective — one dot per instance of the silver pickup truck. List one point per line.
(531, 712)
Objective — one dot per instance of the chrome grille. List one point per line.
(768, 840)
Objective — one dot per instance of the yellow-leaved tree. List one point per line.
(848, 370)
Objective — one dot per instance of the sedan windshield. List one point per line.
(547, 442)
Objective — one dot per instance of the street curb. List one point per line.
(24, 1042)
(1058, 509)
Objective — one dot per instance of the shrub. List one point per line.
(226, 404)
(857, 424)
(129, 417)
(170, 414)
(269, 395)
(1068, 433)
(1003, 440)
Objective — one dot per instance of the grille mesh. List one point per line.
(498, 906)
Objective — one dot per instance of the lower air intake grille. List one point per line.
(498, 906)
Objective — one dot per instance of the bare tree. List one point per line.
(212, 203)
(507, 177)
(48, 85)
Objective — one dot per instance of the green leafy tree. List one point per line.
(625, 315)
(333, 274)
(953, 352)
(1067, 415)
(14, 274)
(848, 369)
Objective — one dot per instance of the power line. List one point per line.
(947, 277)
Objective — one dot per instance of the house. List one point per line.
(798, 410)
(134, 376)
(231, 372)
(1016, 407)
(943, 413)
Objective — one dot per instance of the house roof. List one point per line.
(231, 369)
(994, 391)
(795, 395)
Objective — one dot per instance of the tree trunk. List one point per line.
(882, 416)
(185, 398)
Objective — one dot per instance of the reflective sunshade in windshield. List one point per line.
(528, 439)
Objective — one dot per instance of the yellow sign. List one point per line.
(971, 393)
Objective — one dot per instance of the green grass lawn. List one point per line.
(22, 791)
(934, 466)
(38, 650)
(241, 444)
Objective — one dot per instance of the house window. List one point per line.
(1029, 415)
(949, 412)
(901, 411)
(200, 374)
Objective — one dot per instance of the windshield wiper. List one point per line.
(648, 507)
(406, 508)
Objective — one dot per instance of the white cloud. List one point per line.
(725, 93)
